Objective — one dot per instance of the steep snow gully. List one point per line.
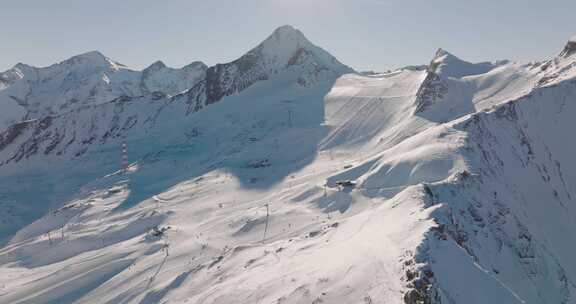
(286, 177)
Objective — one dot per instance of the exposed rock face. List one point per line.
(227, 79)
(570, 48)
(7, 137)
(447, 71)
(286, 51)
(448, 65)
(433, 88)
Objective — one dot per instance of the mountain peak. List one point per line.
(158, 65)
(570, 47)
(443, 59)
(446, 64)
(91, 55)
(22, 66)
(286, 28)
(286, 49)
(288, 46)
(288, 32)
(284, 40)
(195, 65)
(443, 56)
(92, 58)
(442, 52)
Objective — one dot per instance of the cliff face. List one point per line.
(502, 220)
(570, 48)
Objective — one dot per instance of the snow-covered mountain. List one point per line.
(285, 177)
(88, 79)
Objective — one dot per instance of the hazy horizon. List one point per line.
(365, 34)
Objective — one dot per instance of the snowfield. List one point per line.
(286, 177)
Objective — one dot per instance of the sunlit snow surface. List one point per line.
(470, 200)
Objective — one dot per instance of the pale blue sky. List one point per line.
(365, 34)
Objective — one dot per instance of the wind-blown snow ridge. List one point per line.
(281, 177)
(448, 65)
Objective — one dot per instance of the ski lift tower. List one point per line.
(124, 156)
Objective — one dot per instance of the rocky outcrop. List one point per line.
(432, 89)
(286, 51)
(570, 48)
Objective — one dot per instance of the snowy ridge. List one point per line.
(448, 65)
(443, 71)
(84, 80)
(506, 214)
(286, 58)
(279, 178)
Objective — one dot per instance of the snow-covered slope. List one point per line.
(282, 177)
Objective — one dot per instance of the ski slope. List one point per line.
(461, 190)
